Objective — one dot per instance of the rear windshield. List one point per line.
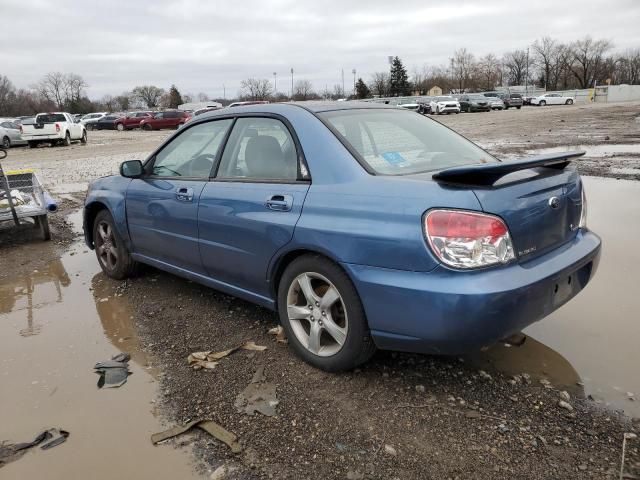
(516, 95)
(396, 142)
(443, 99)
(50, 118)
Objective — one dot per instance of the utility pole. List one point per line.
(526, 75)
(292, 84)
(354, 82)
(452, 76)
(343, 93)
(224, 92)
(275, 83)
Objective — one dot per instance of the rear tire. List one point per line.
(113, 257)
(120, 127)
(519, 107)
(569, 102)
(83, 138)
(67, 139)
(308, 281)
(6, 143)
(33, 144)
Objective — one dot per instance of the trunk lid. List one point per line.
(540, 200)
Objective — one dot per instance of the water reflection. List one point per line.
(116, 318)
(33, 291)
(534, 358)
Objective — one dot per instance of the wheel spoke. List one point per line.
(114, 252)
(336, 332)
(103, 232)
(296, 312)
(307, 290)
(329, 298)
(314, 338)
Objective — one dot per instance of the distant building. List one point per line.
(434, 91)
(193, 106)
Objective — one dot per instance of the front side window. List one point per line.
(394, 142)
(259, 149)
(192, 153)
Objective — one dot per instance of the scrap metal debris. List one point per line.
(279, 333)
(258, 396)
(113, 373)
(209, 426)
(48, 439)
(209, 360)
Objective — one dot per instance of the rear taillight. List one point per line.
(583, 212)
(57, 127)
(464, 239)
(21, 129)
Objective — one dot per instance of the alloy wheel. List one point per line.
(106, 246)
(317, 314)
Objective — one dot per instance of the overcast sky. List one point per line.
(200, 45)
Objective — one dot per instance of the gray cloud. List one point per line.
(200, 45)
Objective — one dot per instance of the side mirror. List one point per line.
(131, 169)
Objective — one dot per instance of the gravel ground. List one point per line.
(400, 416)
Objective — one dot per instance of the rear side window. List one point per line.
(394, 142)
(259, 149)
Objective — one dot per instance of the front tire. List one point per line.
(33, 144)
(120, 127)
(67, 140)
(147, 127)
(542, 103)
(113, 256)
(6, 143)
(322, 315)
(569, 102)
(83, 138)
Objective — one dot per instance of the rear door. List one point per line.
(162, 207)
(249, 211)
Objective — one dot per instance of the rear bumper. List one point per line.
(36, 137)
(452, 312)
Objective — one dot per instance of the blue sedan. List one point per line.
(364, 226)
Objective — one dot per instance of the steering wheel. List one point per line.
(196, 164)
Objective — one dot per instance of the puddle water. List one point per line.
(593, 339)
(602, 150)
(55, 324)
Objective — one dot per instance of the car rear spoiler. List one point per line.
(487, 173)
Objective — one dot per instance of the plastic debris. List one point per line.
(209, 426)
(209, 360)
(47, 439)
(113, 373)
(258, 396)
(279, 333)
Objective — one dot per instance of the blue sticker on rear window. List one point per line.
(394, 158)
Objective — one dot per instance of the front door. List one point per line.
(162, 207)
(249, 211)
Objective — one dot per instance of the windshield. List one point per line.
(479, 97)
(396, 142)
(443, 99)
(50, 118)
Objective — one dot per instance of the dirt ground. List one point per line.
(399, 416)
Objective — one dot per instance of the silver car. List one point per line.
(10, 135)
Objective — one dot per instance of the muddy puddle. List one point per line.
(590, 345)
(55, 324)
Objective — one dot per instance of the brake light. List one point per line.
(57, 127)
(463, 239)
(583, 212)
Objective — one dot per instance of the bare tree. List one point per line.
(587, 56)
(303, 90)
(150, 95)
(516, 64)
(380, 84)
(123, 101)
(53, 88)
(488, 71)
(628, 67)
(463, 68)
(338, 92)
(203, 97)
(256, 89)
(110, 103)
(7, 94)
(545, 54)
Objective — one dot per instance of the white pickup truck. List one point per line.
(54, 128)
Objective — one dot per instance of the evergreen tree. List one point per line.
(399, 79)
(175, 98)
(362, 91)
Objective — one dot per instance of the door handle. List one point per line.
(279, 203)
(184, 194)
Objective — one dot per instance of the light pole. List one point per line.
(275, 83)
(292, 84)
(224, 92)
(343, 92)
(526, 76)
(354, 82)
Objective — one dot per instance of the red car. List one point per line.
(168, 119)
(131, 120)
